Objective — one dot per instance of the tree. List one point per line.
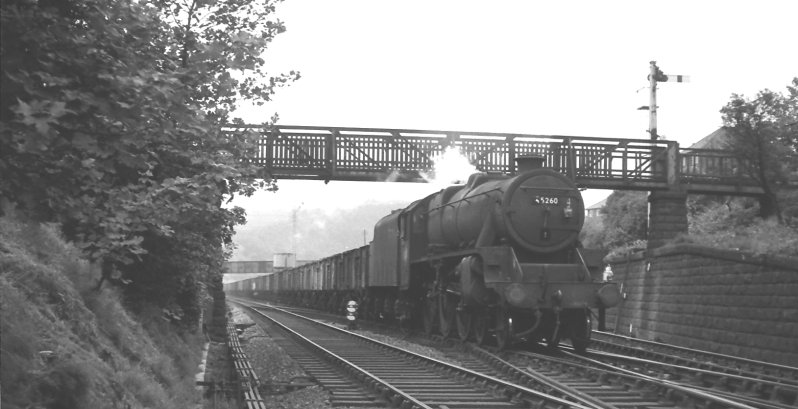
(111, 123)
(765, 137)
(626, 218)
(594, 233)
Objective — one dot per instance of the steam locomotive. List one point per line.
(497, 258)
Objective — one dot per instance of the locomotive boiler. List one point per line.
(497, 258)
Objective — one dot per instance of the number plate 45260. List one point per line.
(546, 200)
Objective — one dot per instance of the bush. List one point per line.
(734, 224)
(626, 249)
(625, 216)
(593, 234)
(721, 215)
(761, 237)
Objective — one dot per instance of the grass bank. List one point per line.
(66, 344)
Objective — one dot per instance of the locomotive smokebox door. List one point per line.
(541, 211)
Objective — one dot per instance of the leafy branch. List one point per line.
(111, 122)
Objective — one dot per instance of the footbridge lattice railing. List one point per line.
(338, 153)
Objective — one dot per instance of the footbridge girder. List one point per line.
(401, 155)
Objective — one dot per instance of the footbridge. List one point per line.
(401, 155)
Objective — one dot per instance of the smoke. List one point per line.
(452, 167)
(393, 176)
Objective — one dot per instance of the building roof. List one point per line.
(716, 140)
(598, 205)
(231, 278)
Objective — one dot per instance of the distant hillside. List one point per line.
(320, 233)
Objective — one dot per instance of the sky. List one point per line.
(539, 67)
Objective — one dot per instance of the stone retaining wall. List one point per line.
(720, 301)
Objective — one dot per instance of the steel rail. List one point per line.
(605, 374)
(786, 374)
(518, 390)
(512, 370)
(747, 400)
(689, 390)
(407, 398)
(702, 372)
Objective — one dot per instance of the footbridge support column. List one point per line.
(667, 216)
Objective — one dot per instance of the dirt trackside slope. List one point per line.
(67, 345)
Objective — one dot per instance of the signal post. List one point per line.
(667, 210)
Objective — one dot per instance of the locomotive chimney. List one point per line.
(527, 163)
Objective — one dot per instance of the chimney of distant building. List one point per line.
(528, 163)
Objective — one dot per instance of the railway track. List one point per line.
(748, 391)
(759, 384)
(621, 388)
(373, 373)
(609, 342)
(344, 388)
(598, 384)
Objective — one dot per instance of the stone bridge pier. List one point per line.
(667, 215)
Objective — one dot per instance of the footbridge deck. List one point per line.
(364, 154)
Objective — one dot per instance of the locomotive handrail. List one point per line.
(465, 199)
(545, 188)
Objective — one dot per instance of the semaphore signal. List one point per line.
(675, 78)
(656, 75)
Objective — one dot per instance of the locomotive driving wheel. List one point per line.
(447, 308)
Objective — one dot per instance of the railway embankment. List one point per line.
(724, 301)
(66, 344)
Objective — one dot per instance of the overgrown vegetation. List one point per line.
(764, 134)
(623, 222)
(715, 221)
(66, 345)
(111, 126)
(735, 223)
(111, 134)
